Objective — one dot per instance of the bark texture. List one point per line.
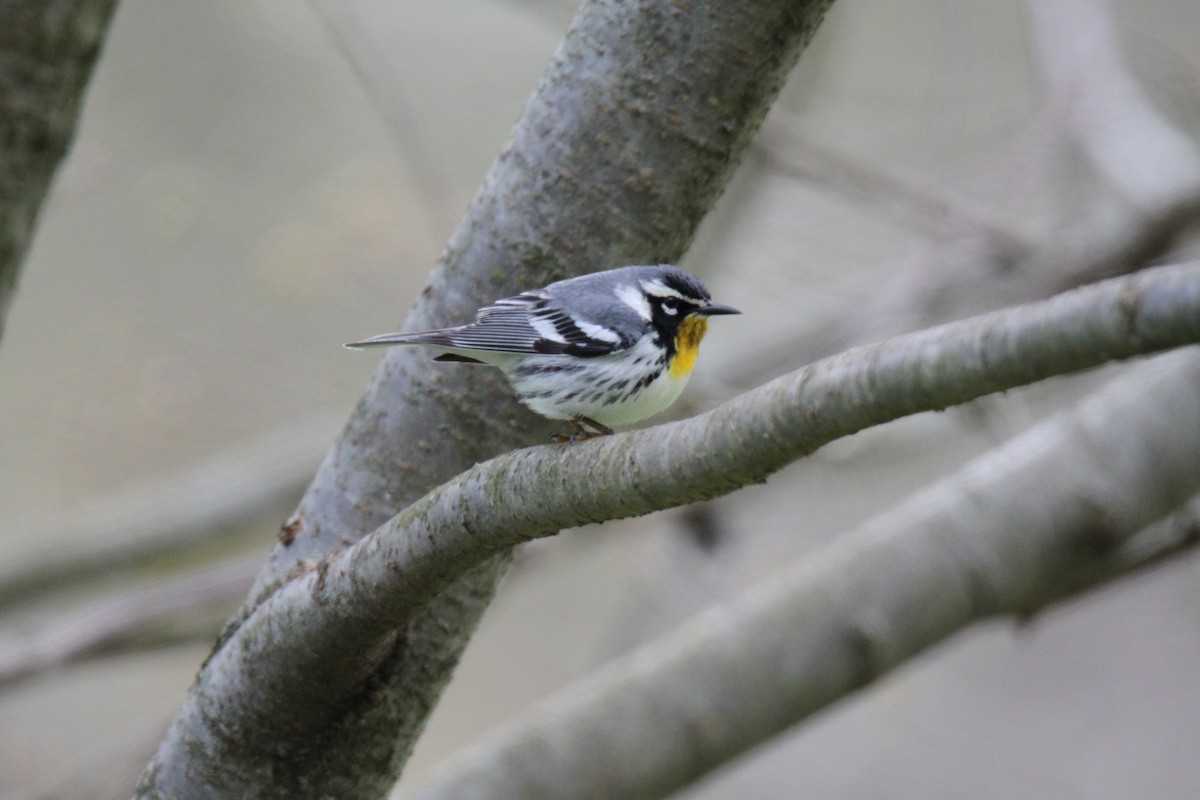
(351, 598)
(630, 136)
(47, 51)
(351, 601)
(1001, 537)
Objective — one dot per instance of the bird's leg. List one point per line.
(597, 428)
(582, 433)
(562, 438)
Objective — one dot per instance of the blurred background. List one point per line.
(256, 182)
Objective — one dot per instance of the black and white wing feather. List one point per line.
(525, 324)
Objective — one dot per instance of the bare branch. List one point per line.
(359, 43)
(936, 209)
(47, 49)
(1138, 152)
(106, 623)
(1127, 140)
(1168, 538)
(298, 643)
(632, 133)
(165, 515)
(1001, 537)
(965, 277)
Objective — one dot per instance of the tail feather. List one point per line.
(438, 339)
(387, 340)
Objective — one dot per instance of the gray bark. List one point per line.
(351, 601)
(632, 133)
(354, 597)
(1001, 537)
(47, 50)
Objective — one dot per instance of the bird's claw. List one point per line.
(581, 433)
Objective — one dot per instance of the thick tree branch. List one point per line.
(1004, 536)
(535, 492)
(631, 135)
(47, 50)
(294, 643)
(1168, 538)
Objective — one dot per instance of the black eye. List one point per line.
(670, 305)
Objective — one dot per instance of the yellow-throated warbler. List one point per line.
(610, 348)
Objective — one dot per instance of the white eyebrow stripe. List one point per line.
(635, 299)
(660, 289)
(595, 331)
(546, 330)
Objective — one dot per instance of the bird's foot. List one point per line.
(582, 433)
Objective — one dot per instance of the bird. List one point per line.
(600, 350)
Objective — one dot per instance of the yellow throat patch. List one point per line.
(687, 344)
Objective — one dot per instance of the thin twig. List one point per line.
(937, 209)
(386, 88)
(165, 515)
(105, 623)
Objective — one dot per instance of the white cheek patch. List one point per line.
(598, 332)
(635, 299)
(546, 330)
(672, 310)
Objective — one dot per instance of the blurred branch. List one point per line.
(1140, 153)
(1003, 537)
(47, 51)
(986, 264)
(985, 267)
(1154, 167)
(961, 277)
(165, 515)
(124, 616)
(351, 29)
(1176, 535)
(906, 197)
(283, 658)
(632, 133)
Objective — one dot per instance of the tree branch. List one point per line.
(357, 39)
(1166, 539)
(165, 515)
(47, 50)
(295, 643)
(107, 622)
(1001, 537)
(1152, 164)
(631, 135)
(1154, 167)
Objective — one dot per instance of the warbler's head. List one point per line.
(679, 306)
(625, 304)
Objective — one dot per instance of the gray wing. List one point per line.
(524, 324)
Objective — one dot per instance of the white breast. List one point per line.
(612, 390)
